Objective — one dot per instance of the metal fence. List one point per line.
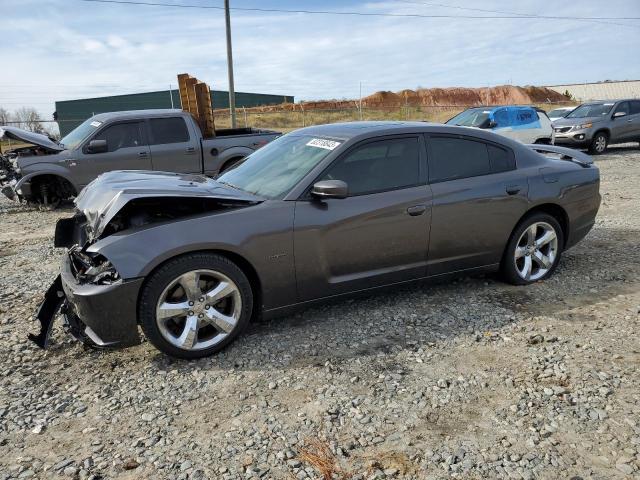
(297, 116)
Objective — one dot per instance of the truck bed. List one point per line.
(238, 132)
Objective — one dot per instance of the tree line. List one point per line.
(27, 118)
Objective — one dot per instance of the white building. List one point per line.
(609, 90)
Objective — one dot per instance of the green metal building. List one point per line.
(71, 113)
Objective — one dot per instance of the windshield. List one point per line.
(591, 110)
(278, 166)
(474, 117)
(78, 134)
(558, 112)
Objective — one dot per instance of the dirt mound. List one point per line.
(430, 97)
(501, 95)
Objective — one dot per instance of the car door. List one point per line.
(633, 121)
(173, 149)
(377, 235)
(478, 197)
(620, 127)
(127, 149)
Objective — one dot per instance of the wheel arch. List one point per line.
(553, 209)
(243, 264)
(604, 130)
(38, 178)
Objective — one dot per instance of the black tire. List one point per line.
(509, 264)
(599, 143)
(160, 279)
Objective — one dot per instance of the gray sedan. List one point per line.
(319, 213)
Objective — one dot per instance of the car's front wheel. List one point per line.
(599, 143)
(534, 250)
(195, 305)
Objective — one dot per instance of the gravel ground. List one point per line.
(468, 379)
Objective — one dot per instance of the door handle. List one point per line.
(513, 189)
(190, 150)
(142, 154)
(416, 210)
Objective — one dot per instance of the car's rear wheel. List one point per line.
(599, 143)
(195, 305)
(534, 250)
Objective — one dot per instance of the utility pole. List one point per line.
(232, 93)
(360, 102)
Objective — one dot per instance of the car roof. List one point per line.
(356, 131)
(123, 115)
(600, 102)
(348, 130)
(495, 107)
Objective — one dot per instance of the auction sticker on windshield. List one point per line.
(322, 143)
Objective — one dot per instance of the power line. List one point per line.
(523, 15)
(347, 13)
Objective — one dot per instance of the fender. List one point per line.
(47, 169)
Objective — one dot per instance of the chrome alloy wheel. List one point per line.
(198, 309)
(536, 251)
(601, 143)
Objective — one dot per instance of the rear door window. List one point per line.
(168, 130)
(634, 107)
(451, 158)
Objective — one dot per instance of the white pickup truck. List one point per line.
(163, 140)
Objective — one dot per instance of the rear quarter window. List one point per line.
(501, 159)
(168, 130)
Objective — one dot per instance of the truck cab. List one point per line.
(160, 140)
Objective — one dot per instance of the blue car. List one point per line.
(526, 124)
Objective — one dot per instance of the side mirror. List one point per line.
(619, 114)
(97, 146)
(492, 124)
(330, 189)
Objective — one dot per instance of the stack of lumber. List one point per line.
(195, 98)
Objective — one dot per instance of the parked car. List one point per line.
(526, 124)
(319, 213)
(596, 125)
(558, 113)
(166, 140)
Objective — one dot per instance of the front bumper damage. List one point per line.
(98, 314)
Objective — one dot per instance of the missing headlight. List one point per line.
(93, 269)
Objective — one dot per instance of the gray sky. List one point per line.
(66, 49)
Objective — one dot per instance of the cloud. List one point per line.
(64, 50)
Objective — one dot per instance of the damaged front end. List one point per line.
(37, 145)
(9, 175)
(98, 306)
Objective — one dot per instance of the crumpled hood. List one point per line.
(104, 197)
(568, 122)
(19, 134)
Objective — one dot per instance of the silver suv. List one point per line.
(596, 125)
